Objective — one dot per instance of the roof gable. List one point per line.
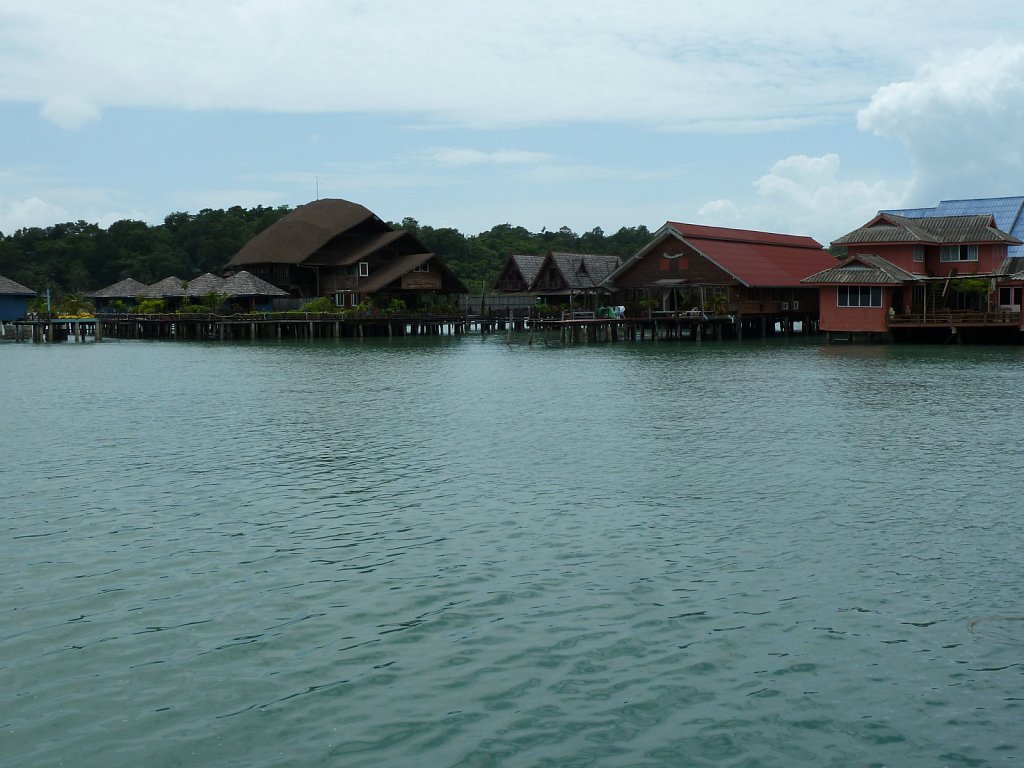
(578, 271)
(765, 259)
(862, 269)
(887, 228)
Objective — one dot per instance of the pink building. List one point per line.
(917, 278)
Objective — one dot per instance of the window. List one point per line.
(859, 296)
(364, 268)
(918, 253)
(424, 267)
(355, 300)
(958, 253)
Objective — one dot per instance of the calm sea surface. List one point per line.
(463, 552)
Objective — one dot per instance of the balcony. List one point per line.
(958, 318)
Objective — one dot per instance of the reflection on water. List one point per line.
(459, 551)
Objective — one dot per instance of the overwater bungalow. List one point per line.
(250, 291)
(340, 249)
(120, 296)
(171, 290)
(204, 285)
(751, 277)
(925, 278)
(14, 300)
(574, 279)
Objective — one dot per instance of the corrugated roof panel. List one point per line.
(762, 264)
(1007, 212)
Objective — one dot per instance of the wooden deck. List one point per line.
(960, 319)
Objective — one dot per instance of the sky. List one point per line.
(796, 117)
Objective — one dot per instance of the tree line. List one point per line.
(75, 258)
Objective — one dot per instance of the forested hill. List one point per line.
(77, 258)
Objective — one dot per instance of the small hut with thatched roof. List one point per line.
(120, 296)
(204, 285)
(171, 290)
(253, 292)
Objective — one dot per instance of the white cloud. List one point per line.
(733, 65)
(69, 111)
(30, 212)
(719, 212)
(808, 193)
(959, 120)
(455, 156)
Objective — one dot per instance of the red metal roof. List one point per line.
(757, 258)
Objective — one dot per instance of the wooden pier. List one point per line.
(663, 326)
(577, 329)
(288, 325)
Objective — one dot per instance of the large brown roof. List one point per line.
(394, 269)
(10, 288)
(353, 247)
(301, 233)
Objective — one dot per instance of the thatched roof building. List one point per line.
(518, 273)
(168, 288)
(129, 288)
(340, 249)
(245, 284)
(203, 285)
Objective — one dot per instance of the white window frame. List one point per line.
(950, 253)
(424, 267)
(364, 269)
(858, 296)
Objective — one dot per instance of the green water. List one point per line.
(464, 552)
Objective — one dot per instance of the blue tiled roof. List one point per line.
(1008, 213)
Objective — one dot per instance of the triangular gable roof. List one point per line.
(247, 284)
(301, 233)
(763, 259)
(10, 288)
(1007, 211)
(862, 269)
(580, 271)
(129, 288)
(892, 228)
(528, 265)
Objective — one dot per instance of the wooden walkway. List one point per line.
(292, 325)
(251, 327)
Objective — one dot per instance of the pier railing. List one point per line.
(946, 317)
